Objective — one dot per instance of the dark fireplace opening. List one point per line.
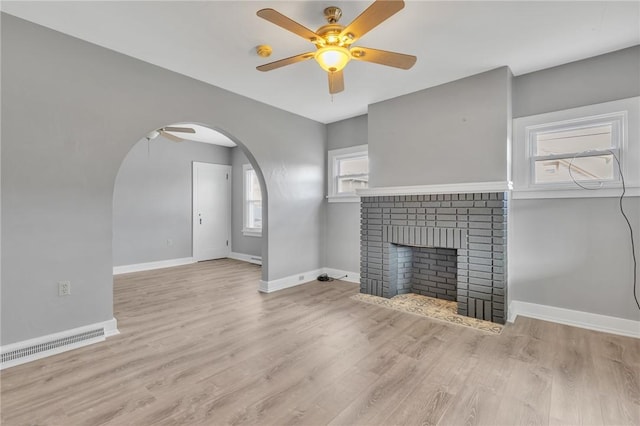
(427, 271)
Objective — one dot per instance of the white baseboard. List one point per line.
(111, 328)
(246, 258)
(290, 281)
(55, 343)
(352, 277)
(597, 322)
(305, 277)
(139, 267)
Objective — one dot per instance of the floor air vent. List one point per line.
(14, 357)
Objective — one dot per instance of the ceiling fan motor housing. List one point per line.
(330, 35)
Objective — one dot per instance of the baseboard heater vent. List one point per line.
(51, 345)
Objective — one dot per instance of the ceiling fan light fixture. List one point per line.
(332, 58)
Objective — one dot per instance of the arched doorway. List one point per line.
(152, 198)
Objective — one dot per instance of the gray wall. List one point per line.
(454, 133)
(575, 253)
(239, 242)
(590, 81)
(152, 199)
(343, 219)
(71, 112)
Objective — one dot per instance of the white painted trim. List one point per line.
(453, 188)
(246, 258)
(125, 269)
(572, 193)
(607, 324)
(350, 150)
(290, 281)
(110, 329)
(352, 277)
(343, 199)
(248, 232)
(333, 157)
(294, 280)
(264, 287)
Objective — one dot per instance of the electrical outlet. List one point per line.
(169, 242)
(301, 277)
(64, 288)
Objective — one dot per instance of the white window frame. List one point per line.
(247, 231)
(334, 157)
(622, 115)
(617, 120)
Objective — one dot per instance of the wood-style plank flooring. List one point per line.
(200, 345)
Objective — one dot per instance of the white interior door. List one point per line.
(211, 211)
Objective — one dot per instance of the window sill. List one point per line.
(528, 194)
(251, 233)
(343, 198)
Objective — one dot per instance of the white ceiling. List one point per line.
(215, 42)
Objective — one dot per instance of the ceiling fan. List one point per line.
(333, 41)
(164, 131)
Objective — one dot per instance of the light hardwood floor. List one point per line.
(200, 345)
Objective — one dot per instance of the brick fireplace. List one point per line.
(448, 246)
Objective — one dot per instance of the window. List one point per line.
(252, 202)
(561, 153)
(580, 150)
(348, 170)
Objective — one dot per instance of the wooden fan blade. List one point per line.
(178, 129)
(288, 24)
(336, 82)
(383, 57)
(287, 61)
(171, 137)
(373, 16)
